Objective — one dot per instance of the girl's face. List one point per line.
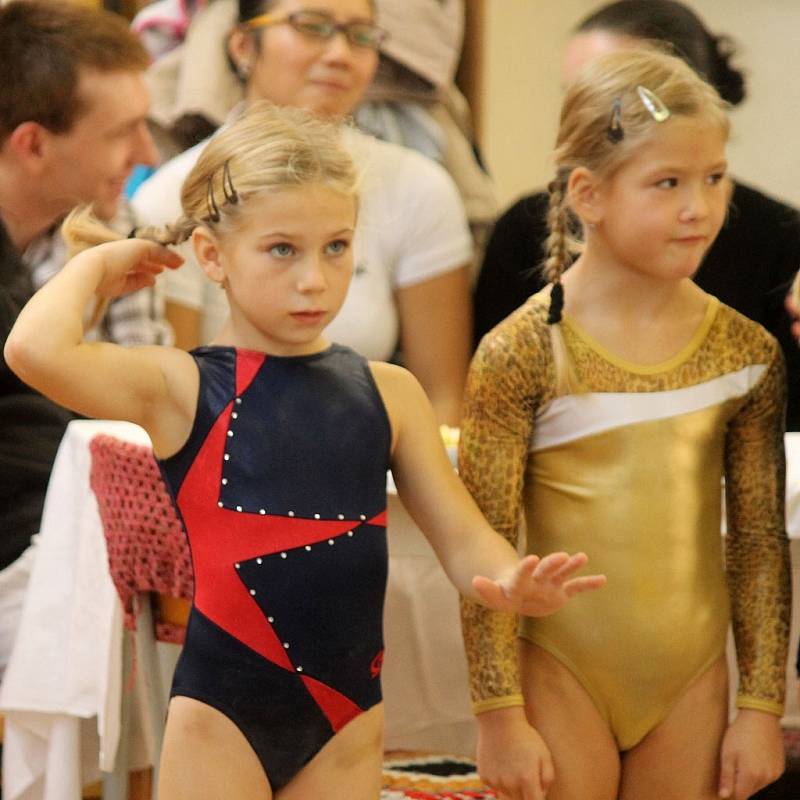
(661, 211)
(287, 268)
(291, 68)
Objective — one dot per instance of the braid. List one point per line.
(557, 245)
(175, 233)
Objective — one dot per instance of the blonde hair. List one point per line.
(267, 149)
(606, 94)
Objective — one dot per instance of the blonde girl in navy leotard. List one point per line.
(275, 446)
(607, 411)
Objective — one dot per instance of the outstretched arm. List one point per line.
(152, 386)
(483, 566)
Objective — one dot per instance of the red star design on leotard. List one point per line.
(227, 536)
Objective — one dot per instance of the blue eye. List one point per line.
(337, 247)
(281, 250)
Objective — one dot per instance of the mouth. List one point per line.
(331, 85)
(311, 317)
(692, 240)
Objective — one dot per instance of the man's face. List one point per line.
(90, 162)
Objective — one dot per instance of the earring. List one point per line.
(243, 70)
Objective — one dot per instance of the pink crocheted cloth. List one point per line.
(147, 548)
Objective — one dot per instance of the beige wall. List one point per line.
(521, 91)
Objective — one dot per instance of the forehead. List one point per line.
(307, 207)
(344, 9)
(682, 141)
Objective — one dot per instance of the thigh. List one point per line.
(206, 757)
(585, 756)
(349, 765)
(679, 758)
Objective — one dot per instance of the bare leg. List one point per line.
(584, 752)
(679, 759)
(348, 766)
(206, 757)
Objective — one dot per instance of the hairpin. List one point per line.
(211, 203)
(133, 233)
(231, 195)
(614, 133)
(652, 102)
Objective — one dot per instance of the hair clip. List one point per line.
(652, 102)
(211, 203)
(231, 195)
(133, 233)
(615, 133)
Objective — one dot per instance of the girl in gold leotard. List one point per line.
(603, 416)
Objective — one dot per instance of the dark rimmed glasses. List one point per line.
(322, 26)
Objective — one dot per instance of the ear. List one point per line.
(209, 254)
(242, 50)
(29, 142)
(584, 196)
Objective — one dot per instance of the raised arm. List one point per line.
(155, 387)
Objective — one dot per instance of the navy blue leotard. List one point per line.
(281, 487)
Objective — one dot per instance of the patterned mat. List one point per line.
(421, 776)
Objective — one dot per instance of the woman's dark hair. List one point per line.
(674, 24)
(248, 9)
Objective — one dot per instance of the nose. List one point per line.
(145, 151)
(338, 48)
(697, 204)
(311, 276)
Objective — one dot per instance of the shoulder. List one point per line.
(741, 335)
(520, 335)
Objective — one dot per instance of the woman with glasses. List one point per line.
(410, 291)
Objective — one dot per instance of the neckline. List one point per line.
(670, 363)
(272, 356)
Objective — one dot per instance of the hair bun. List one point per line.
(729, 81)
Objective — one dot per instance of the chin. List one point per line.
(107, 208)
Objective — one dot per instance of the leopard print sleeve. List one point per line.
(501, 398)
(757, 548)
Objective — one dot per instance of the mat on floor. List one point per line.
(422, 776)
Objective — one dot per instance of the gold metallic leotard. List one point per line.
(629, 471)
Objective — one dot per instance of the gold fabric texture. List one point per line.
(635, 482)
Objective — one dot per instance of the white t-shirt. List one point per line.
(411, 228)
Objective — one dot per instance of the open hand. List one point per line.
(132, 264)
(538, 586)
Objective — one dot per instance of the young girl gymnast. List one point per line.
(275, 446)
(606, 411)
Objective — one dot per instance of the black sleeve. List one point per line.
(510, 273)
(751, 266)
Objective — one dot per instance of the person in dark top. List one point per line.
(751, 264)
(72, 125)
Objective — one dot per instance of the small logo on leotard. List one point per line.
(377, 663)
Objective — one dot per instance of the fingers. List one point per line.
(559, 566)
(585, 583)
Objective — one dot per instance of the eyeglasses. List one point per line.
(319, 25)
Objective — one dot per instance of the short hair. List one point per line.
(45, 44)
(249, 9)
(671, 23)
